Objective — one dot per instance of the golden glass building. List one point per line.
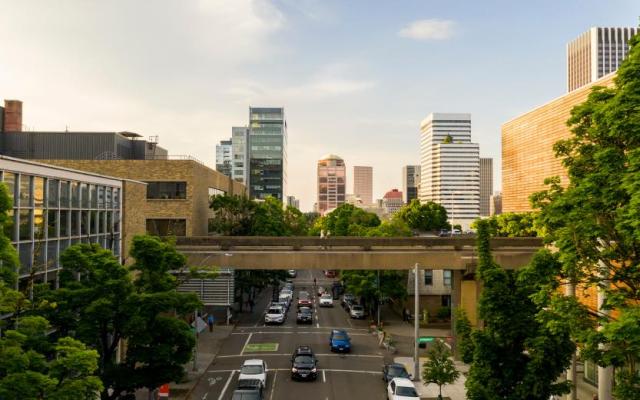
(332, 182)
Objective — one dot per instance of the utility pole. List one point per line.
(416, 301)
(195, 348)
(378, 298)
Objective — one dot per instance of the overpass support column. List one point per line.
(456, 289)
(416, 323)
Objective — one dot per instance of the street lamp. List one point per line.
(416, 359)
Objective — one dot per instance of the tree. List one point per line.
(439, 368)
(463, 335)
(232, 215)
(8, 255)
(392, 228)
(429, 216)
(349, 220)
(268, 219)
(512, 225)
(517, 355)
(594, 221)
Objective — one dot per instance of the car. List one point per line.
(395, 370)
(304, 367)
(456, 232)
(356, 311)
(401, 389)
(275, 315)
(304, 300)
(248, 389)
(284, 298)
(330, 273)
(444, 233)
(339, 340)
(303, 294)
(326, 300)
(320, 290)
(348, 304)
(254, 369)
(303, 349)
(347, 297)
(292, 273)
(305, 316)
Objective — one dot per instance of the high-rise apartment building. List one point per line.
(363, 184)
(267, 152)
(486, 185)
(450, 166)
(410, 182)
(224, 157)
(596, 53)
(239, 151)
(11, 116)
(332, 183)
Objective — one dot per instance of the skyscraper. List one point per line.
(267, 152)
(363, 184)
(332, 182)
(486, 185)
(596, 53)
(223, 157)
(410, 182)
(239, 151)
(450, 166)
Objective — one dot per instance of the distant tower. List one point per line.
(267, 160)
(410, 182)
(363, 184)
(223, 157)
(12, 120)
(486, 185)
(332, 182)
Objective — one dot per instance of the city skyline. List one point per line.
(194, 96)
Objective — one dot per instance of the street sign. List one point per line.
(425, 339)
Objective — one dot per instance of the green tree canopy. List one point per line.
(512, 224)
(429, 216)
(8, 255)
(348, 220)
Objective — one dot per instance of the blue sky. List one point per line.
(356, 77)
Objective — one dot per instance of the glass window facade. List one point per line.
(166, 190)
(167, 227)
(267, 158)
(51, 213)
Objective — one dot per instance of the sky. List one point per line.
(356, 77)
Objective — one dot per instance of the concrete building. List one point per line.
(178, 191)
(596, 53)
(54, 208)
(293, 202)
(332, 183)
(486, 185)
(11, 116)
(363, 184)
(239, 152)
(392, 201)
(527, 147)
(434, 288)
(495, 204)
(410, 182)
(224, 157)
(267, 153)
(450, 166)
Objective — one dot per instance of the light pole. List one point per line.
(378, 297)
(195, 348)
(416, 360)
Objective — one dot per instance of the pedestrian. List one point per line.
(210, 322)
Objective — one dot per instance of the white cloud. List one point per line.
(429, 29)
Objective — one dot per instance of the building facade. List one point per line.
(495, 204)
(267, 153)
(450, 166)
(410, 182)
(11, 116)
(332, 183)
(239, 152)
(596, 53)
(293, 202)
(176, 202)
(224, 157)
(527, 147)
(392, 201)
(363, 184)
(54, 208)
(486, 185)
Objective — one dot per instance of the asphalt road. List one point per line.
(353, 376)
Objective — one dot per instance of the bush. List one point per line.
(444, 313)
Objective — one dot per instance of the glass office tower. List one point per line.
(267, 152)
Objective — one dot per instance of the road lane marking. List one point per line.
(324, 377)
(246, 343)
(273, 386)
(226, 385)
(317, 325)
(289, 355)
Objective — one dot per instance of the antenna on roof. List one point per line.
(66, 128)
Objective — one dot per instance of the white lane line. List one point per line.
(354, 371)
(273, 386)
(246, 343)
(226, 385)
(289, 355)
(317, 325)
(324, 377)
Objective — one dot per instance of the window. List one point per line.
(167, 227)
(10, 180)
(428, 277)
(94, 196)
(84, 190)
(445, 301)
(447, 275)
(25, 225)
(64, 194)
(9, 226)
(25, 191)
(38, 191)
(590, 372)
(116, 198)
(52, 222)
(52, 193)
(75, 195)
(166, 190)
(75, 224)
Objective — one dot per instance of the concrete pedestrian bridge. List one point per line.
(306, 252)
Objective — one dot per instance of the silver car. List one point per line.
(356, 311)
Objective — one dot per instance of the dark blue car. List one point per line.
(339, 341)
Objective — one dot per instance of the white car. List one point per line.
(274, 315)
(254, 369)
(401, 389)
(356, 311)
(326, 300)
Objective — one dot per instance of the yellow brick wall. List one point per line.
(133, 202)
(469, 297)
(527, 147)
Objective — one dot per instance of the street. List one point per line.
(356, 375)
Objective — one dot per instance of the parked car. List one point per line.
(348, 304)
(304, 364)
(305, 316)
(275, 315)
(356, 311)
(254, 369)
(347, 297)
(320, 290)
(292, 273)
(326, 300)
(248, 389)
(401, 389)
(304, 300)
(285, 298)
(339, 340)
(395, 370)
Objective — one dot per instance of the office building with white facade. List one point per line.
(596, 53)
(486, 185)
(450, 166)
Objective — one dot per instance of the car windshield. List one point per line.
(273, 311)
(305, 311)
(397, 371)
(303, 360)
(339, 336)
(251, 369)
(406, 391)
(357, 308)
(325, 296)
